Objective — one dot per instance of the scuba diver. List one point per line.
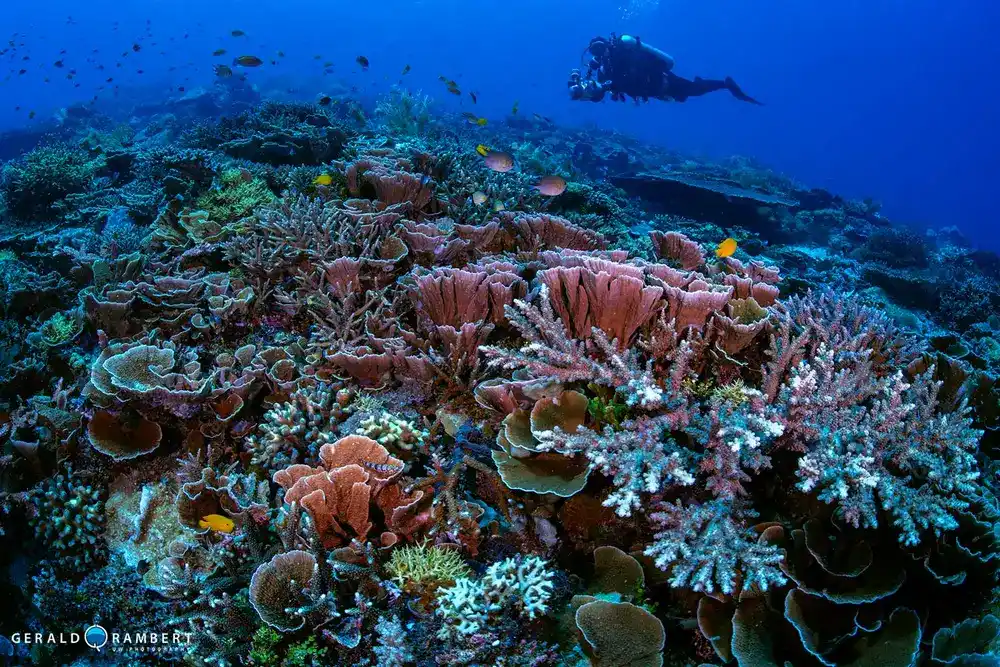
(626, 66)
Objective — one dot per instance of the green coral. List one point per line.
(421, 565)
(237, 194)
(734, 393)
(584, 198)
(747, 311)
(116, 139)
(262, 650)
(541, 158)
(58, 330)
(401, 112)
(33, 186)
(305, 654)
(605, 408)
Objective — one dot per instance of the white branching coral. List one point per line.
(391, 431)
(879, 444)
(706, 548)
(551, 355)
(639, 457)
(521, 586)
(293, 432)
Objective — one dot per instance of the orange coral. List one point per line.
(356, 472)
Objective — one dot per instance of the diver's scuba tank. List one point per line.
(630, 42)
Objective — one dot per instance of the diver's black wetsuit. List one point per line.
(626, 67)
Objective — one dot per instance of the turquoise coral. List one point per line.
(68, 517)
(520, 586)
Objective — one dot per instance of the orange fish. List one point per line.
(726, 248)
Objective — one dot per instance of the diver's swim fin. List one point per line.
(738, 93)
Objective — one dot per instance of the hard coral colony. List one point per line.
(283, 385)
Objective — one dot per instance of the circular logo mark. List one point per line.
(95, 637)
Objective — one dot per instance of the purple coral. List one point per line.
(880, 444)
(706, 548)
(872, 439)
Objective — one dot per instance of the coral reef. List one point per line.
(286, 382)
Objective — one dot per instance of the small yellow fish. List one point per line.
(473, 119)
(323, 179)
(482, 150)
(498, 206)
(726, 248)
(217, 523)
(478, 197)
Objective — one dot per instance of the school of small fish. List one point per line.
(20, 46)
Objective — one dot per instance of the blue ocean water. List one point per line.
(890, 100)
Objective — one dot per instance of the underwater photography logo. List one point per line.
(98, 638)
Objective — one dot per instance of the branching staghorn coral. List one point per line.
(421, 566)
(551, 356)
(520, 587)
(880, 444)
(294, 431)
(705, 548)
